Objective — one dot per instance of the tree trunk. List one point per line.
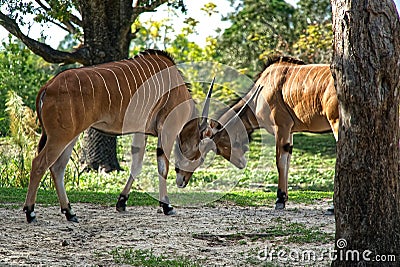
(107, 34)
(366, 68)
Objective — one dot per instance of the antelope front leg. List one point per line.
(284, 147)
(137, 152)
(163, 166)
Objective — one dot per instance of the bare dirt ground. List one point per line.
(223, 235)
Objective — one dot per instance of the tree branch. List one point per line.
(144, 6)
(68, 26)
(45, 51)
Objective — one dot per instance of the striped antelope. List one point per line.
(145, 95)
(295, 98)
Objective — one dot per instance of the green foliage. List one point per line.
(150, 34)
(146, 258)
(23, 133)
(60, 10)
(315, 43)
(209, 8)
(258, 29)
(262, 28)
(314, 18)
(22, 72)
(23, 124)
(313, 12)
(197, 63)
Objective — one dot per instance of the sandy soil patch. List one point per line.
(212, 236)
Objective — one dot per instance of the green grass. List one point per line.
(49, 197)
(146, 258)
(311, 176)
(298, 233)
(240, 198)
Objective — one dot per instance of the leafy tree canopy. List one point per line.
(20, 71)
(261, 28)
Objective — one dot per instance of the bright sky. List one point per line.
(206, 27)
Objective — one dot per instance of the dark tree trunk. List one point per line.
(107, 34)
(366, 68)
(99, 151)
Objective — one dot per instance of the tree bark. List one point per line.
(366, 69)
(107, 34)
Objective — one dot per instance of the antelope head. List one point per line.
(192, 144)
(230, 139)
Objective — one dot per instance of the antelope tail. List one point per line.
(39, 104)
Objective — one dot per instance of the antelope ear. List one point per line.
(215, 125)
(207, 133)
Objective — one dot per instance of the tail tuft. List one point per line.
(42, 142)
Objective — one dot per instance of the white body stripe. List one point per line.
(108, 91)
(119, 87)
(80, 90)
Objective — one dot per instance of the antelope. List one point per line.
(287, 97)
(144, 95)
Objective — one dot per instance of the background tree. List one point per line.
(263, 28)
(104, 28)
(258, 27)
(367, 75)
(192, 59)
(20, 71)
(313, 20)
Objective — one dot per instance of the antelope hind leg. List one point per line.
(57, 172)
(46, 157)
(38, 169)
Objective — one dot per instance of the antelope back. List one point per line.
(303, 93)
(134, 95)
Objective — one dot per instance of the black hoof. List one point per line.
(69, 214)
(30, 214)
(280, 200)
(279, 206)
(330, 211)
(121, 204)
(167, 209)
(73, 218)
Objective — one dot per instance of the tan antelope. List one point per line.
(145, 95)
(295, 98)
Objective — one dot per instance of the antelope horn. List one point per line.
(206, 107)
(258, 89)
